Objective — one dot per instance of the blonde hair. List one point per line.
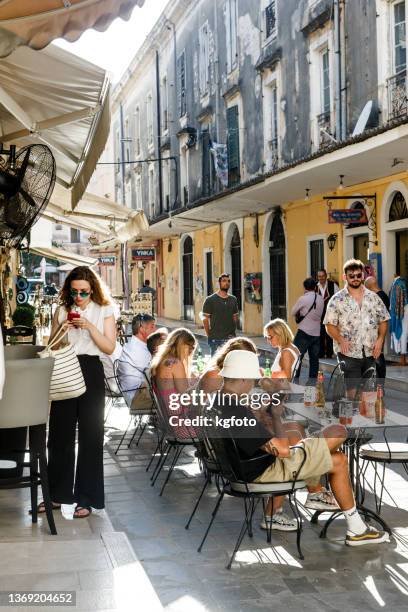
(282, 330)
(172, 347)
(233, 344)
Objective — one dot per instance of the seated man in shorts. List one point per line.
(273, 459)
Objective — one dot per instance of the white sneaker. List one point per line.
(280, 522)
(370, 536)
(323, 500)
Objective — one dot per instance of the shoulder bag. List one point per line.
(299, 318)
(67, 380)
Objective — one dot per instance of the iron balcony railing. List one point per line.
(274, 147)
(397, 95)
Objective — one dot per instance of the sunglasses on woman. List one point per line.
(82, 294)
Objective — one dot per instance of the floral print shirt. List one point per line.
(358, 325)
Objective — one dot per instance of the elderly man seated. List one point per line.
(273, 459)
(135, 359)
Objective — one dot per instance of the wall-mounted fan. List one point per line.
(27, 179)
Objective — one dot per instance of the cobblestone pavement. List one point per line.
(264, 577)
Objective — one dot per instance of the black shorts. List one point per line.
(354, 370)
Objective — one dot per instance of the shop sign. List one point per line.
(108, 260)
(347, 215)
(143, 254)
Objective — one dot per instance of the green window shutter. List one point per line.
(233, 144)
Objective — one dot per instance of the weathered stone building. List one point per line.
(309, 98)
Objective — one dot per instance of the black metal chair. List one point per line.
(134, 415)
(112, 394)
(171, 441)
(225, 454)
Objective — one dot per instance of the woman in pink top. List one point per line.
(171, 372)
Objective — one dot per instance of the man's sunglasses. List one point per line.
(82, 294)
(359, 275)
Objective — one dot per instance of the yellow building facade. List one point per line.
(282, 247)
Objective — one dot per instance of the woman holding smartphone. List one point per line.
(87, 313)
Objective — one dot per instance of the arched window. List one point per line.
(236, 275)
(398, 208)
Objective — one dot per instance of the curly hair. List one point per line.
(99, 292)
(172, 347)
(233, 344)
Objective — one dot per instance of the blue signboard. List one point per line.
(347, 215)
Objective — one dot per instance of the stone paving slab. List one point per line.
(264, 577)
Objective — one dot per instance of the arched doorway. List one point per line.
(236, 275)
(399, 212)
(394, 233)
(277, 263)
(188, 288)
(357, 239)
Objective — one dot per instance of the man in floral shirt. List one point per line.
(356, 319)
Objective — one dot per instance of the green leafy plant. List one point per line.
(24, 315)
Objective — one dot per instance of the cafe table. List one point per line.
(358, 431)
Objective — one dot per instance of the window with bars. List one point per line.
(204, 58)
(270, 20)
(316, 254)
(234, 174)
(181, 90)
(209, 273)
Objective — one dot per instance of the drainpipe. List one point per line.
(158, 110)
(216, 73)
(124, 245)
(337, 70)
(343, 70)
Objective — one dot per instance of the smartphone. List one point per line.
(73, 315)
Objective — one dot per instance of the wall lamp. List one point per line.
(331, 241)
(307, 196)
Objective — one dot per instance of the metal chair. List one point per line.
(25, 404)
(133, 414)
(226, 455)
(382, 454)
(172, 441)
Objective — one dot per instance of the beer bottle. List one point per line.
(200, 361)
(320, 398)
(379, 406)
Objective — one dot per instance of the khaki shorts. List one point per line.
(318, 462)
(142, 400)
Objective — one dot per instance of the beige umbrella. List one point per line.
(37, 23)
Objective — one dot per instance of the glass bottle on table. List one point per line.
(267, 370)
(200, 361)
(380, 406)
(320, 397)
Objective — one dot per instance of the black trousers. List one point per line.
(86, 411)
(326, 343)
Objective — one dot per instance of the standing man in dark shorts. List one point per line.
(357, 320)
(221, 314)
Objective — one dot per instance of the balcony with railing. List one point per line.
(325, 136)
(397, 96)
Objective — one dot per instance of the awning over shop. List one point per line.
(57, 98)
(97, 214)
(36, 24)
(62, 255)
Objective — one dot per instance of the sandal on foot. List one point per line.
(79, 509)
(41, 507)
